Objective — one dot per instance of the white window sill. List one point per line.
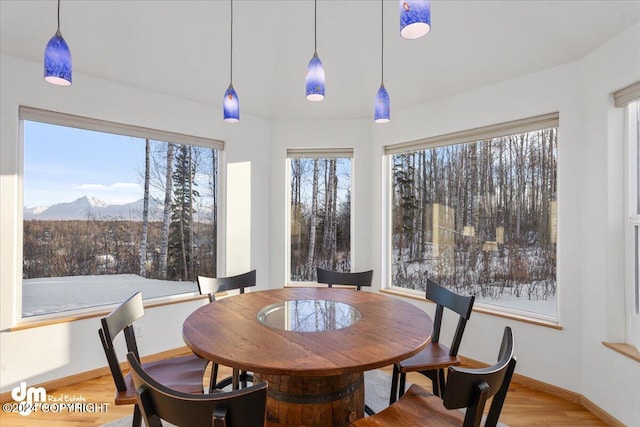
(36, 322)
(484, 310)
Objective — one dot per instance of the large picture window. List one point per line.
(107, 214)
(319, 212)
(476, 212)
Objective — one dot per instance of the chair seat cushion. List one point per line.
(415, 408)
(184, 373)
(433, 356)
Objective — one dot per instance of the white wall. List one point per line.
(55, 351)
(589, 230)
(568, 357)
(590, 213)
(608, 379)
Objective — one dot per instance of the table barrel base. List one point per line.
(323, 401)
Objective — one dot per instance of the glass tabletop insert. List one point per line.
(309, 315)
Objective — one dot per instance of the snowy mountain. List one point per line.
(30, 212)
(93, 208)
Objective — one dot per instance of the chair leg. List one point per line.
(394, 384)
(437, 381)
(403, 384)
(245, 377)
(137, 417)
(239, 379)
(214, 377)
(441, 381)
(236, 379)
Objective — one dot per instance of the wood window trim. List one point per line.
(627, 95)
(623, 348)
(320, 153)
(87, 123)
(483, 310)
(530, 124)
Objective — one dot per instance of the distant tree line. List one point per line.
(179, 245)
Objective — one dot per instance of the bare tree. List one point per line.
(314, 216)
(192, 171)
(333, 217)
(166, 215)
(145, 210)
(214, 194)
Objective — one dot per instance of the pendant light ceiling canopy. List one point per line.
(230, 102)
(415, 18)
(314, 80)
(57, 59)
(382, 108)
(231, 105)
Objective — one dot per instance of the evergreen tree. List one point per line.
(180, 245)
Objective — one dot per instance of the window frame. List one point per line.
(90, 124)
(626, 98)
(311, 153)
(632, 223)
(535, 123)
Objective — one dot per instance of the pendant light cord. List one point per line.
(58, 15)
(231, 56)
(315, 26)
(382, 41)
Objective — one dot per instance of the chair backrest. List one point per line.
(239, 408)
(357, 279)
(470, 388)
(460, 304)
(213, 285)
(119, 320)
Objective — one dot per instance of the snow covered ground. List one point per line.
(58, 294)
(545, 307)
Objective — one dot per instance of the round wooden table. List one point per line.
(315, 373)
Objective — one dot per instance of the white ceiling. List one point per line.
(181, 48)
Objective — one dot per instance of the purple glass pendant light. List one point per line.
(230, 102)
(57, 59)
(415, 18)
(315, 71)
(231, 105)
(382, 109)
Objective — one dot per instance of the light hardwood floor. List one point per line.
(523, 407)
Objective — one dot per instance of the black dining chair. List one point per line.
(238, 408)
(183, 373)
(211, 286)
(466, 388)
(435, 357)
(357, 279)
